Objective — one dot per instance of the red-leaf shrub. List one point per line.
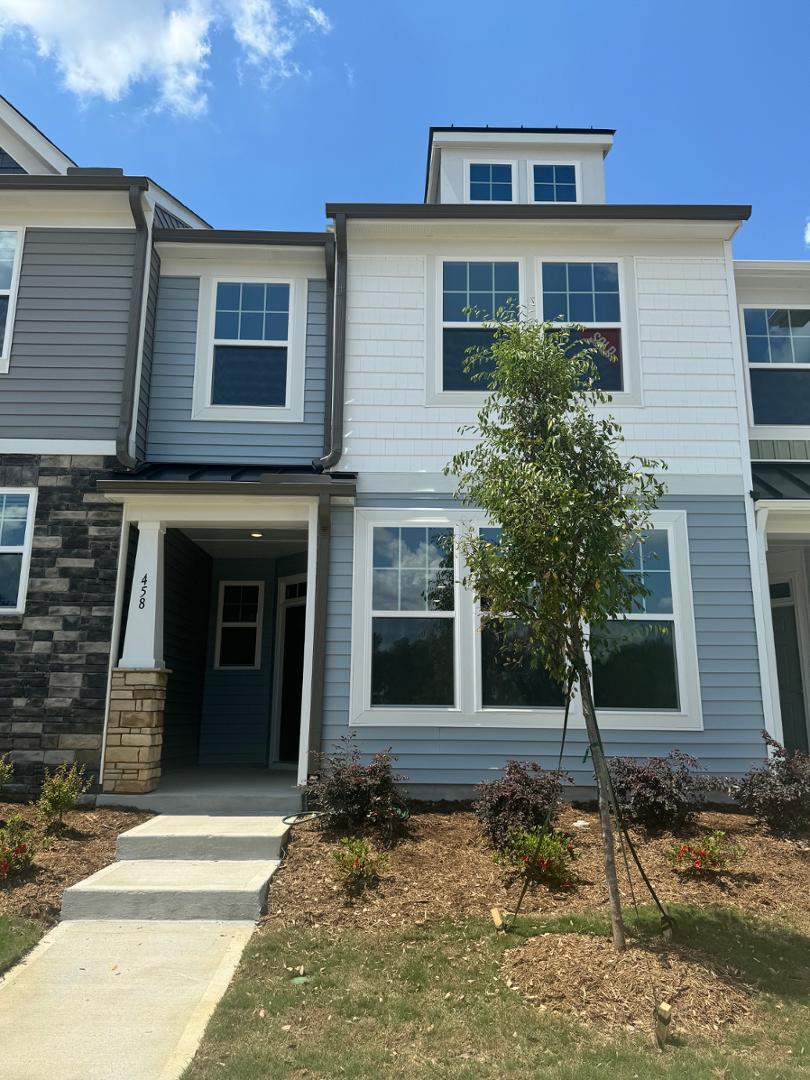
(661, 792)
(777, 792)
(526, 797)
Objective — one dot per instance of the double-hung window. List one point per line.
(251, 339)
(472, 294)
(490, 182)
(588, 293)
(554, 183)
(777, 342)
(239, 624)
(16, 538)
(10, 249)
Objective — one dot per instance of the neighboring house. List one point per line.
(238, 518)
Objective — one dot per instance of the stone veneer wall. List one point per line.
(135, 730)
(54, 659)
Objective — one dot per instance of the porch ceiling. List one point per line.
(239, 544)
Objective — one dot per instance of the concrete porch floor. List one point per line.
(208, 789)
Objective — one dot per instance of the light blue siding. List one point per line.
(174, 436)
(727, 661)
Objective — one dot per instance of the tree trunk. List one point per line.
(602, 787)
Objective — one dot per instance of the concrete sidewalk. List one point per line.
(116, 1000)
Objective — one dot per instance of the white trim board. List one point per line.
(77, 447)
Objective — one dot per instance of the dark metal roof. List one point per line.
(182, 479)
(242, 236)
(781, 479)
(165, 219)
(549, 211)
(8, 166)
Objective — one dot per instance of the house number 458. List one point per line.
(142, 597)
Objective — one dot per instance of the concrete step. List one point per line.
(286, 800)
(172, 889)
(205, 836)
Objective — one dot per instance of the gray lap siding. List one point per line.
(727, 662)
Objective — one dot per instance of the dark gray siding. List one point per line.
(70, 333)
(174, 436)
(8, 166)
(727, 659)
(187, 579)
(148, 350)
(780, 450)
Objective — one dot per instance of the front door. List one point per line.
(788, 666)
(289, 666)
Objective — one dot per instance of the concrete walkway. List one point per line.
(123, 987)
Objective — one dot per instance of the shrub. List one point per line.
(662, 792)
(777, 792)
(16, 849)
(714, 851)
(350, 795)
(542, 855)
(357, 864)
(6, 769)
(61, 790)
(526, 797)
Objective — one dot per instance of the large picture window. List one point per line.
(10, 242)
(251, 334)
(16, 537)
(472, 294)
(588, 293)
(777, 342)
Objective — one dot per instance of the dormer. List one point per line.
(482, 166)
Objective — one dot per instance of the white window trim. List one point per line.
(23, 549)
(257, 659)
(770, 431)
(434, 392)
(202, 407)
(11, 293)
(628, 324)
(545, 202)
(490, 161)
(467, 712)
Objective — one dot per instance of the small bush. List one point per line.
(6, 770)
(714, 851)
(16, 849)
(357, 864)
(662, 792)
(526, 797)
(61, 790)
(777, 792)
(350, 795)
(542, 855)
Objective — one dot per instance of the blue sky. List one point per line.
(256, 112)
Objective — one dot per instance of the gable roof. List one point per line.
(29, 147)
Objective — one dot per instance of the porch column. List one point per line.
(134, 740)
(143, 641)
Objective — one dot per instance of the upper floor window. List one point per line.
(16, 538)
(9, 274)
(472, 293)
(588, 293)
(251, 336)
(777, 342)
(554, 183)
(490, 182)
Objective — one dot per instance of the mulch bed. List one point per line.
(443, 868)
(86, 844)
(582, 975)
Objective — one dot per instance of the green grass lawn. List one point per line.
(428, 1002)
(17, 936)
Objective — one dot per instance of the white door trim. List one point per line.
(282, 603)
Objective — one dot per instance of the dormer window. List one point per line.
(552, 183)
(490, 182)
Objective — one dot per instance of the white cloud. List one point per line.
(104, 47)
(807, 232)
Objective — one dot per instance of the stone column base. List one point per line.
(135, 730)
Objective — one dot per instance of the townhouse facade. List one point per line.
(224, 513)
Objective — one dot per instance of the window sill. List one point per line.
(779, 431)
(609, 720)
(261, 414)
(620, 399)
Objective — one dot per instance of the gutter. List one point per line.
(128, 389)
(538, 212)
(242, 236)
(333, 443)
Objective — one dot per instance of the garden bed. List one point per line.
(84, 845)
(443, 867)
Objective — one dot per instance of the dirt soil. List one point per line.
(443, 867)
(85, 844)
(582, 975)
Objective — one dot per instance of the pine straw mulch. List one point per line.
(442, 867)
(582, 975)
(85, 844)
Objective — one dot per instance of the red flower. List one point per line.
(3, 868)
(20, 849)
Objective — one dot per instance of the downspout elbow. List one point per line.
(128, 388)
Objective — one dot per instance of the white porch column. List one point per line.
(143, 640)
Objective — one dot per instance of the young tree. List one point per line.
(547, 469)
